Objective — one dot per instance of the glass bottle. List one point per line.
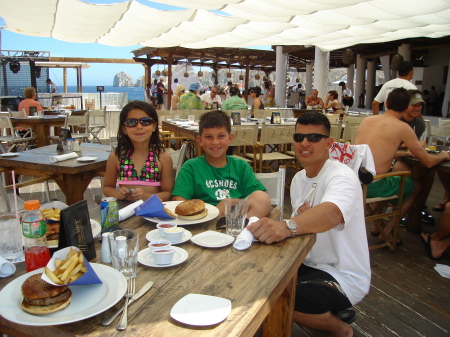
(37, 253)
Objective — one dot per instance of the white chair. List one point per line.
(10, 137)
(244, 136)
(333, 118)
(97, 122)
(444, 122)
(441, 132)
(274, 184)
(336, 130)
(350, 130)
(77, 122)
(178, 158)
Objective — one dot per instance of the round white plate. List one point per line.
(213, 212)
(86, 159)
(201, 310)
(212, 239)
(154, 235)
(145, 257)
(96, 230)
(10, 154)
(87, 300)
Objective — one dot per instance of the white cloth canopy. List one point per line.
(328, 24)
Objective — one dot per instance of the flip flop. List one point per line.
(426, 244)
(346, 316)
(439, 207)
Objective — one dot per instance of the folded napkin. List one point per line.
(245, 239)
(6, 268)
(442, 269)
(152, 207)
(63, 157)
(128, 211)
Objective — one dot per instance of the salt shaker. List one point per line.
(105, 251)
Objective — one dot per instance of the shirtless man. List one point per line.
(313, 100)
(384, 134)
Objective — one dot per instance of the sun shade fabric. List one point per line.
(328, 24)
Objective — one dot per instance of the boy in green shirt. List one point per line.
(216, 176)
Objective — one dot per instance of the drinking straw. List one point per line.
(15, 196)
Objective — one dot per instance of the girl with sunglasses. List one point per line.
(139, 165)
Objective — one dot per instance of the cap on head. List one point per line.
(193, 86)
(234, 91)
(416, 98)
(341, 83)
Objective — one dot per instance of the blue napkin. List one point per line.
(152, 207)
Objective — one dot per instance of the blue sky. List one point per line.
(97, 74)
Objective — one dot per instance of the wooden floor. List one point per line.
(407, 296)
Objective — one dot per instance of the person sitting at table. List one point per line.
(331, 101)
(215, 176)
(257, 103)
(139, 164)
(438, 242)
(190, 100)
(313, 100)
(384, 133)
(326, 199)
(180, 90)
(234, 102)
(29, 101)
(212, 96)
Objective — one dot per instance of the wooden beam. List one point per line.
(436, 46)
(375, 55)
(91, 60)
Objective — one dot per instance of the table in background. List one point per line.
(72, 176)
(260, 283)
(179, 131)
(418, 172)
(41, 126)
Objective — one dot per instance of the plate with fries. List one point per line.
(87, 300)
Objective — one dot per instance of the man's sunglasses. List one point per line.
(214, 92)
(312, 137)
(132, 122)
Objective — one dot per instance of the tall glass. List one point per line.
(124, 245)
(11, 246)
(235, 215)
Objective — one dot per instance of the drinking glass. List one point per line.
(11, 246)
(176, 117)
(124, 245)
(235, 215)
(432, 143)
(191, 118)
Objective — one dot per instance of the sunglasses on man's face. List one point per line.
(132, 122)
(214, 92)
(312, 137)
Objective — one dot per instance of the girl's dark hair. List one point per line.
(124, 143)
(334, 94)
(257, 90)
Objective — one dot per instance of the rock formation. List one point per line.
(122, 79)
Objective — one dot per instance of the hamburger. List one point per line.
(191, 210)
(40, 297)
(52, 233)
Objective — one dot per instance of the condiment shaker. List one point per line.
(105, 251)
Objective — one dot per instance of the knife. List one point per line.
(107, 321)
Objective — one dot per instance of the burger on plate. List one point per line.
(40, 297)
(52, 233)
(191, 210)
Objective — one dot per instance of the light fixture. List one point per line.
(14, 66)
(186, 74)
(265, 78)
(229, 72)
(241, 77)
(200, 73)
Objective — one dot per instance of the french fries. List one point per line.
(51, 213)
(68, 270)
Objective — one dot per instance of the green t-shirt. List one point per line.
(190, 100)
(234, 103)
(199, 180)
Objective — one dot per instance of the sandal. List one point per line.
(439, 207)
(346, 316)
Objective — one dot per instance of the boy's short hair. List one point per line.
(398, 100)
(315, 118)
(214, 119)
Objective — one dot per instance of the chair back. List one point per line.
(276, 134)
(333, 118)
(440, 131)
(444, 122)
(353, 119)
(178, 158)
(89, 103)
(262, 114)
(244, 135)
(18, 114)
(274, 184)
(336, 131)
(350, 130)
(98, 116)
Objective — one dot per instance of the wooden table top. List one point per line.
(41, 120)
(252, 280)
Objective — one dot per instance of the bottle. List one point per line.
(105, 251)
(37, 253)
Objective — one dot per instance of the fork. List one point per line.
(130, 292)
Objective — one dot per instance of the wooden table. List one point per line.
(41, 126)
(420, 172)
(260, 282)
(72, 176)
(179, 131)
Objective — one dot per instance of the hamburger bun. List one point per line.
(191, 209)
(42, 298)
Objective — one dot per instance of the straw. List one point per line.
(15, 196)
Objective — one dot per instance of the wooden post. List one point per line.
(169, 81)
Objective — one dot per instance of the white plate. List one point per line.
(10, 154)
(213, 212)
(154, 235)
(212, 239)
(86, 159)
(145, 257)
(87, 300)
(201, 310)
(96, 229)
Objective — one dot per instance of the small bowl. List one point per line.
(163, 225)
(159, 244)
(175, 234)
(163, 256)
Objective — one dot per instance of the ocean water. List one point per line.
(134, 93)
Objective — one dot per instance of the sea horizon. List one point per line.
(133, 93)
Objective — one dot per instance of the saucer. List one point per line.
(145, 257)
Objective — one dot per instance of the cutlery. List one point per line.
(123, 323)
(107, 321)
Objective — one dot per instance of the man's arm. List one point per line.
(375, 107)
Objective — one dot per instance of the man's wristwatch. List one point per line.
(292, 226)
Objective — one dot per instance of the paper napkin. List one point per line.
(152, 207)
(6, 268)
(443, 270)
(128, 211)
(63, 157)
(245, 239)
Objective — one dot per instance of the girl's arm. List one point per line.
(326, 105)
(110, 181)
(167, 176)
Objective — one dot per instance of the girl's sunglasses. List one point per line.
(312, 137)
(132, 122)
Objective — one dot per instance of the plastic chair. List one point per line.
(274, 184)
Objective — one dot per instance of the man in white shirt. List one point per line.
(326, 199)
(174, 86)
(52, 86)
(212, 96)
(347, 95)
(405, 74)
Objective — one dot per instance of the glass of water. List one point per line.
(235, 215)
(124, 245)
(11, 246)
